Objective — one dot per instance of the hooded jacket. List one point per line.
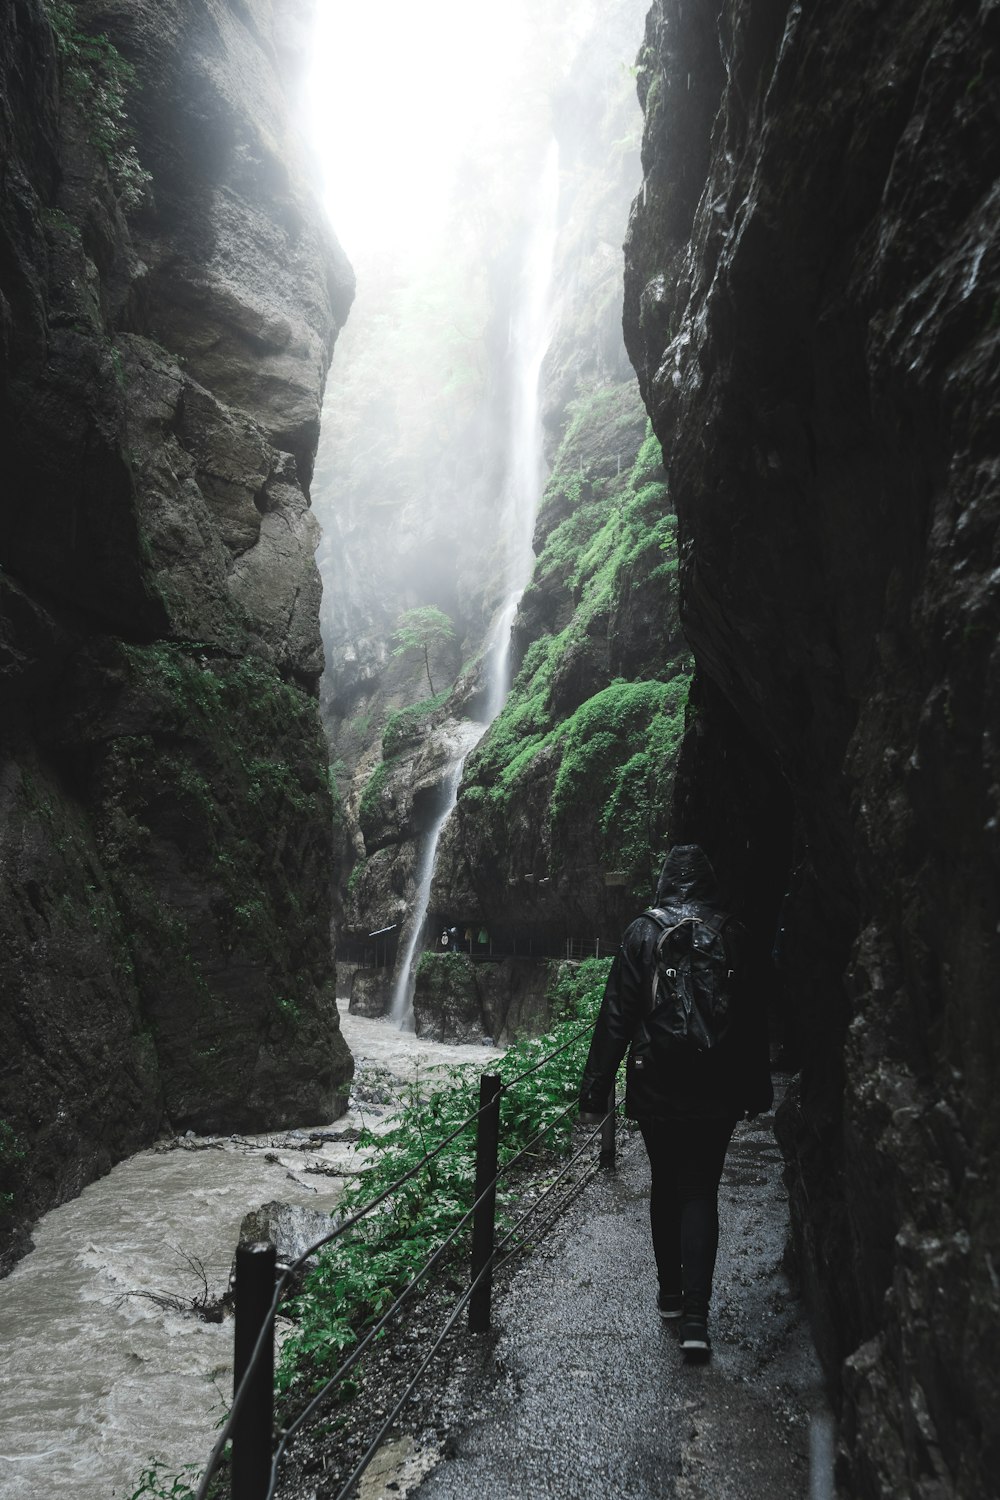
(660, 1082)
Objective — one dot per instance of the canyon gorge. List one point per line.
(760, 610)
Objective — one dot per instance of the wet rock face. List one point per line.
(165, 817)
(811, 287)
(457, 1000)
(563, 804)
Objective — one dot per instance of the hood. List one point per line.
(686, 876)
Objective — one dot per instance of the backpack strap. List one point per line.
(715, 920)
(664, 920)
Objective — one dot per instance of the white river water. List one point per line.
(95, 1378)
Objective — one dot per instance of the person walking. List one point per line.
(678, 1001)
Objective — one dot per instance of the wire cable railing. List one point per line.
(239, 1396)
(480, 1213)
(452, 1319)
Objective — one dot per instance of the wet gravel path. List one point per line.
(591, 1393)
(580, 1390)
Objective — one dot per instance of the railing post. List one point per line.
(487, 1151)
(253, 1428)
(608, 1135)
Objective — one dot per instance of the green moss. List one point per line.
(617, 756)
(339, 811)
(525, 725)
(443, 970)
(649, 460)
(288, 1010)
(58, 222)
(370, 808)
(610, 761)
(236, 774)
(407, 725)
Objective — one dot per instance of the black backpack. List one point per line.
(691, 990)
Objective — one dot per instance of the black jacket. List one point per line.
(731, 1080)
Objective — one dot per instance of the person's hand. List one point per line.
(590, 1117)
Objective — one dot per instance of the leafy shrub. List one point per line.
(405, 725)
(354, 879)
(97, 78)
(157, 1476)
(360, 1274)
(370, 806)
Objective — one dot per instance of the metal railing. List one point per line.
(249, 1425)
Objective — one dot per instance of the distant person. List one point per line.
(677, 1001)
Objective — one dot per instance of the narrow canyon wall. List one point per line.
(812, 294)
(169, 297)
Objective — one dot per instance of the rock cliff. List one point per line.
(169, 297)
(563, 806)
(812, 284)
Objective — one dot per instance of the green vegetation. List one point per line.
(359, 725)
(406, 725)
(236, 774)
(361, 1273)
(610, 550)
(614, 520)
(98, 79)
(58, 222)
(431, 962)
(370, 808)
(159, 1481)
(12, 1153)
(423, 629)
(338, 815)
(618, 754)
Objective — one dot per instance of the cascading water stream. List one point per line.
(531, 332)
(401, 1008)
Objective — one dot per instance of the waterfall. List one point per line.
(401, 1007)
(530, 335)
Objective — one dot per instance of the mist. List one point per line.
(434, 155)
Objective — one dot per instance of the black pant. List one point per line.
(685, 1162)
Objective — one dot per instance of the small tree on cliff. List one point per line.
(423, 629)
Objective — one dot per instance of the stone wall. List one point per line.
(812, 284)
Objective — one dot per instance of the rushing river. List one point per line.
(97, 1378)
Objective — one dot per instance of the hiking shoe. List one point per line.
(669, 1305)
(694, 1340)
